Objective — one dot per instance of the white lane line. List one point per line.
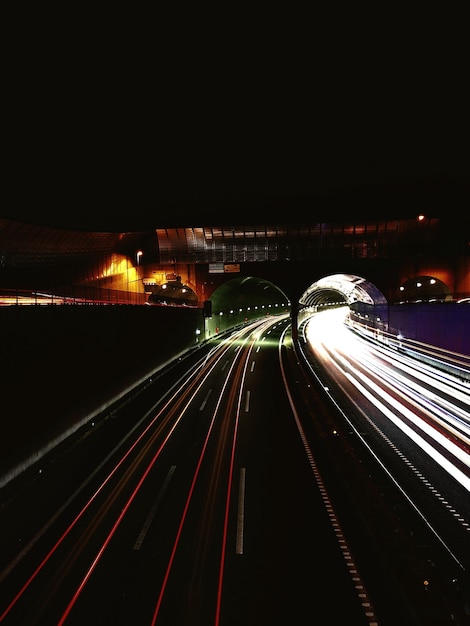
(362, 594)
(201, 408)
(253, 366)
(247, 402)
(241, 511)
(153, 510)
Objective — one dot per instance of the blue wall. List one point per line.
(443, 324)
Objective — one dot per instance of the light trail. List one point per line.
(361, 381)
(425, 406)
(445, 414)
(195, 382)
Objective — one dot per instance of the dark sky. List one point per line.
(238, 128)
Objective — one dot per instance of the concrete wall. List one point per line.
(60, 364)
(443, 324)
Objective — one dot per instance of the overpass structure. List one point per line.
(418, 258)
(235, 272)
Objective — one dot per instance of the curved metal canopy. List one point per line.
(341, 287)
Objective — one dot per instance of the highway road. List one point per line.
(415, 421)
(256, 482)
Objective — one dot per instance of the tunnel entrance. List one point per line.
(244, 299)
(247, 298)
(367, 305)
(341, 289)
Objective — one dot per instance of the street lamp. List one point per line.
(139, 254)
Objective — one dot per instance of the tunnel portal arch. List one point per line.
(345, 288)
(367, 304)
(424, 287)
(246, 298)
(243, 299)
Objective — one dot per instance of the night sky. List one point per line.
(241, 128)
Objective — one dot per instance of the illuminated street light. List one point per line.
(139, 254)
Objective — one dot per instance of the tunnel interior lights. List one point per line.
(252, 308)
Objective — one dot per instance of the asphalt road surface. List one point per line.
(234, 489)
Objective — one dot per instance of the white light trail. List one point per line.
(405, 398)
